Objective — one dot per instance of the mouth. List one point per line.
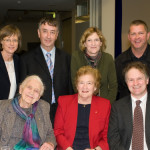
(137, 42)
(85, 91)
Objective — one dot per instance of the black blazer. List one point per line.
(33, 62)
(121, 124)
(4, 78)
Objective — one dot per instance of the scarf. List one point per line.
(92, 60)
(30, 138)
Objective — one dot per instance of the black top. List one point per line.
(4, 77)
(121, 62)
(81, 140)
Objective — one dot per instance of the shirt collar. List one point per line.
(52, 52)
(143, 99)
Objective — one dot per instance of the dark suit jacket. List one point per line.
(4, 78)
(121, 124)
(66, 121)
(8, 116)
(34, 62)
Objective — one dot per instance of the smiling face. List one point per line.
(136, 82)
(138, 37)
(93, 44)
(30, 93)
(86, 87)
(48, 35)
(9, 44)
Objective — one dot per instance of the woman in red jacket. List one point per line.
(81, 120)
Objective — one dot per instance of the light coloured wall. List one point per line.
(131, 10)
(108, 24)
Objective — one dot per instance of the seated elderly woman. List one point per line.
(81, 120)
(24, 121)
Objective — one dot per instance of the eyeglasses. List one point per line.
(9, 40)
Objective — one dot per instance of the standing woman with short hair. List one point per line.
(10, 42)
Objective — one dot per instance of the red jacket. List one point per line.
(66, 121)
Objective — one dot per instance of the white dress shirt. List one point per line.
(12, 78)
(143, 107)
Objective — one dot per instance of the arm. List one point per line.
(49, 137)
(112, 81)
(114, 139)
(59, 127)
(103, 143)
(71, 91)
(74, 68)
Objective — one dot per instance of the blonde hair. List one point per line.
(88, 70)
(33, 77)
(87, 33)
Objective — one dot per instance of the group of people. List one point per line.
(86, 101)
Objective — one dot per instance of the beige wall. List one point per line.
(131, 10)
(108, 24)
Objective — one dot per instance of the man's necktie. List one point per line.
(51, 70)
(138, 130)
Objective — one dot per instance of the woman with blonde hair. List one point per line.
(92, 46)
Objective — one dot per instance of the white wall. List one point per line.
(131, 10)
(108, 24)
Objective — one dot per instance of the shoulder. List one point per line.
(123, 56)
(107, 56)
(43, 104)
(67, 99)
(31, 52)
(122, 102)
(101, 101)
(15, 56)
(77, 53)
(4, 104)
(62, 52)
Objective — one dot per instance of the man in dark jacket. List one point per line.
(51, 64)
(139, 51)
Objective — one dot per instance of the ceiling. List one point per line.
(8, 7)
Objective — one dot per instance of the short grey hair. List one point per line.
(33, 77)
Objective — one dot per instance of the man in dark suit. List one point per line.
(35, 62)
(122, 118)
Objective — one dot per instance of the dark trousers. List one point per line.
(53, 112)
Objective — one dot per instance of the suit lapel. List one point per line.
(129, 117)
(40, 126)
(39, 58)
(3, 67)
(16, 68)
(57, 61)
(147, 122)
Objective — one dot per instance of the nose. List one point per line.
(48, 34)
(137, 35)
(32, 91)
(93, 42)
(12, 42)
(84, 85)
(135, 82)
